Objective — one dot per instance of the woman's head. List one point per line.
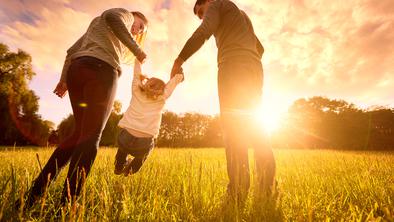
(140, 24)
(138, 30)
(153, 87)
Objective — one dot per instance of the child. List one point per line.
(141, 121)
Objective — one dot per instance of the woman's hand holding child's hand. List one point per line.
(141, 57)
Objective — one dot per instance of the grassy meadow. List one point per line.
(190, 185)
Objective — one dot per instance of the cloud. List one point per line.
(48, 37)
(341, 48)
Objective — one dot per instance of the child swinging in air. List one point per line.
(141, 121)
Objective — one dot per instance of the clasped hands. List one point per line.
(177, 67)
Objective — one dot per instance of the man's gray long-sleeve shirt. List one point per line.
(232, 30)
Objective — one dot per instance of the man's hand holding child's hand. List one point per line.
(177, 67)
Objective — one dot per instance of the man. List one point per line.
(240, 81)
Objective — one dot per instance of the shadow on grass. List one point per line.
(265, 208)
(259, 207)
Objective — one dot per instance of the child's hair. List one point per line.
(152, 87)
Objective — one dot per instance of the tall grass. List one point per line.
(190, 185)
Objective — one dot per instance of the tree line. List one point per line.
(319, 122)
(185, 130)
(311, 123)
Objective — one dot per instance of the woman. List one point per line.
(90, 74)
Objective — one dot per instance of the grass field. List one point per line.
(190, 185)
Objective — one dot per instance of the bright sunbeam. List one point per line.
(269, 118)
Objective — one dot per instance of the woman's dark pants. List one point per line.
(92, 86)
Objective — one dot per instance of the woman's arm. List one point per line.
(114, 18)
(61, 87)
(73, 49)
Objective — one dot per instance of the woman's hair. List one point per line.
(141, 16)
(153, 87)
(139, 39)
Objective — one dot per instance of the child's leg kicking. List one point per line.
(137, 163)
(125, 140)
(141, 150)
(120, 160)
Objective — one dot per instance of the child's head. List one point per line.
(153, 87)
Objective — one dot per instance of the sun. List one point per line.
(269, 119)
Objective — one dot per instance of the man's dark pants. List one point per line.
(92, 86)
(240, 83)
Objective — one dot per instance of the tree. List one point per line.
(213, 135)
(189, 130)
(168, 130)
(19, 121)
(381, 130)
(66, 127)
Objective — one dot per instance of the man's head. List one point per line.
(140, 24)
(200, 8)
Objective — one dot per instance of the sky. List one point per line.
(338, 49)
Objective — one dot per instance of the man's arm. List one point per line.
(115, 21)
(208, 26)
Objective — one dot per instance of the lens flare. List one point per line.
(269, 119)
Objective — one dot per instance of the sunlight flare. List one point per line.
(269, 118)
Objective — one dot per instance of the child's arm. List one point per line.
(138, 77)
(170, 86)
(137, 67)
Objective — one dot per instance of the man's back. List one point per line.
(235, 35)
(233, 31)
